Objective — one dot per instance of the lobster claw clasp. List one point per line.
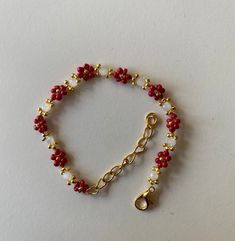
(143, 201)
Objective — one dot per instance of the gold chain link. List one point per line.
(151, 120)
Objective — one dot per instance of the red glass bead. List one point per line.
(159, 165)
(160, 89)
(86, 72)
(163, 157)
(80, 186)
(164, 164)
(172, 123)
(156, 91)
(58, 158)
(58, 92)
(40, 124)
(121, 75)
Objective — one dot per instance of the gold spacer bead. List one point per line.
(110, 72)
(68, 86)
(170, 148)
(44, 135)
(171, 110)
(50, 102)
(53, 145)
(163, 100)
(134, 79)
(73, 76)
(62, 170)
(146, 84)
(156, 169)
(42, 112)
(72, 180)
(153, 182)
(172, 135)
(97, 67)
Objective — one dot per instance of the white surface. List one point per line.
(186, 45)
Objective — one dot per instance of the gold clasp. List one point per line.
(152, 119)
(143, 201)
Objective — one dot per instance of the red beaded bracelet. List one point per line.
(156, 91)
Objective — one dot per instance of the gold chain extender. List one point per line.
(151, 120)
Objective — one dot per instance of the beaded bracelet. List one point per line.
(156, 91)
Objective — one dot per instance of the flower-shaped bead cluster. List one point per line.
(163, 157)
(173, 122)
(40, 124)
(58, 91)
(80, 186)
(86, 72)
(156, 91)
(58, 158)
(121, 75)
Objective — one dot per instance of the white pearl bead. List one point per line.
(140, 81)
(50, 140)
(67, 175)
(103, 71)
(153, 175)
(171, 141)
(46, 107)
(73, 82)
(166, 106)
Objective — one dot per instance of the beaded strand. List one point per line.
(87, 73)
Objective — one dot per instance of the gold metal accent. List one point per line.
(52, 145)
(110, 72)
(44, 135)
(50, 102)
(69, 182)
(134, 79)
(74, 76)
(97, 67)
(172, 135)
(146, 84)
(63, 170)
(156, 169)
(152, 181)
(151, 120)
(144, 200)
(68, 86)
